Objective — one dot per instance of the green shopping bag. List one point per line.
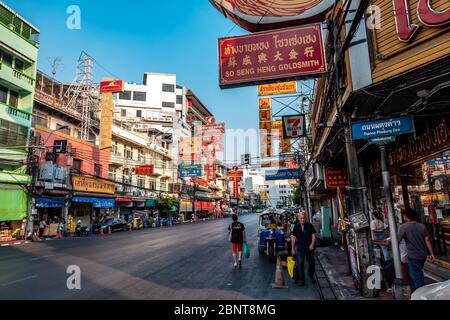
(246, 251)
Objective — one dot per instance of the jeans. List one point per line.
(300, 265)
(415, 268)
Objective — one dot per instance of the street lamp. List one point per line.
(53, 131)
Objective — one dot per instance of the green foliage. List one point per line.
(165, 204)
(297, 196)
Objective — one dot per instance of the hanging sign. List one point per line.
(383, 128)
(277, 88)
(294, 126)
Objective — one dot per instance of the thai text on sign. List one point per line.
(277, 88)
(264, 56)
(93, 185)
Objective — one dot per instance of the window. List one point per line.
(129, 154)
(152, 184)
(168, 105)
(179, 99)
(3, 95)
(123, 112)
(168, 87)
(63, 131)
(114, 148)
(13, 98)
(112, 173)
(12, 134)
(19, 65)
(141, 183)
(139, 113)
(6, 58)
(77, 166)
(126, 95)
(139, 96)
(97, 170)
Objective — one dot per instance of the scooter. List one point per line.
(81, 231)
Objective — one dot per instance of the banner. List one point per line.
(288, 53)
(277, 88)
(106, 114)
(86, 184)
(294, 126)
(144, 170)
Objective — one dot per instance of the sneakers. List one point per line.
(235, 265)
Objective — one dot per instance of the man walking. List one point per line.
(236, 235)
(418, 246)
(303, 247)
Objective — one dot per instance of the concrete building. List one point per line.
(279, 193)
(18, 55)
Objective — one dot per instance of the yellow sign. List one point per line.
(277, 88)
(264, 103)
(263, 196)
(85, 184)
(286, 146)
(265, 115)
(267, 126)
(277, 129)
(106, 114)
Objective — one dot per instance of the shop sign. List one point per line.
(294, 126)
(382, 128)
(288, 53)
(265, 115)
(432, 139)
(277, 88)
(113, 86)
(283, 174)
(336, 178)
(406, 30)
(263, 196)
(264, 103)
(144, 170)
(86, 184)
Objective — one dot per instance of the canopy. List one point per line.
(45, 203)
(13, 202)
(96, 202)
(261, 15)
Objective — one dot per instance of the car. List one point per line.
(114, 224)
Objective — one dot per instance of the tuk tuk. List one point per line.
(272, 233)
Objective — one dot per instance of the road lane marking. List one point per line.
(43, 257)
(19, 280)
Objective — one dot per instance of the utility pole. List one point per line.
(358, 212)
(33, 162)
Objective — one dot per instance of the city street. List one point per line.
(189, 262)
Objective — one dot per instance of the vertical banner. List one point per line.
(106, 114)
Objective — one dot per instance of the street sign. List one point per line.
(283, 174)
(112, 86)
(383, 128)
(382, 140)
(190, 170)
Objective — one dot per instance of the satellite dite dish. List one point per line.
(262, 15)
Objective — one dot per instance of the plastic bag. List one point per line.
(246, 251)
(291, 266)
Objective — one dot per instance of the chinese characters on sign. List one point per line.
(144, 170)
(336, 178)
(281, 54)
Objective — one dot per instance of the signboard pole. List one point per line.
(399, 287)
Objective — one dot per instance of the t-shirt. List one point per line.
(414, 234)
(303, 238)
(237, 232)
(377, 225)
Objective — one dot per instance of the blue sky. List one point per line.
(156, 36)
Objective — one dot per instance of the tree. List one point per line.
(297, 196)
(166, 205)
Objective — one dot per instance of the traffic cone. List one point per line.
(109, 231)
(279, 278)
(102, 233)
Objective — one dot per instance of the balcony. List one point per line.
(17, 80)
(15, 115)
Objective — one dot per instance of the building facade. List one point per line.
(18, 57)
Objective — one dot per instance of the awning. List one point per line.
(123, 200)
(206, 196)
(46, 203)
(13, 202)
(99, 203)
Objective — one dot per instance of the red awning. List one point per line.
(123, 200)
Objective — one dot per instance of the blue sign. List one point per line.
(382, 128)
(283, 174)
(47, 203)
(98, 203)
(190, 170)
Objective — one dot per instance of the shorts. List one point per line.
(235, 247)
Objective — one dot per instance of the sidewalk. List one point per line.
(335, 265)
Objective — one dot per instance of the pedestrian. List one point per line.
(303, 248)
(237, 237)
(59, 230)
(418, 247)
(42, 225)
(377, 229)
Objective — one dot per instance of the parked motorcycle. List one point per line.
(82, 231)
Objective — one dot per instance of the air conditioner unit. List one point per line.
(318, 172)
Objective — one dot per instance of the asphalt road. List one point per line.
(186, 262)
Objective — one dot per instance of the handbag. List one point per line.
(246, 251)
(291, 266)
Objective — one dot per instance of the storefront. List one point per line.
(88, 209)
(124, 208)
(13, 210)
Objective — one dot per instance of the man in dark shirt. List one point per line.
(303, 246)
(236, 235)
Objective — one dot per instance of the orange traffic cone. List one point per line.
(279, 278)
(102, 233)
(109, 231)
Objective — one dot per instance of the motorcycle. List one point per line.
(82, 231)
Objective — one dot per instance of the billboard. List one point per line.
(282, 54)
(106, 114)
(277, 88)
(294, 126)
(112, 86)
(283, 174)
(93, 185)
